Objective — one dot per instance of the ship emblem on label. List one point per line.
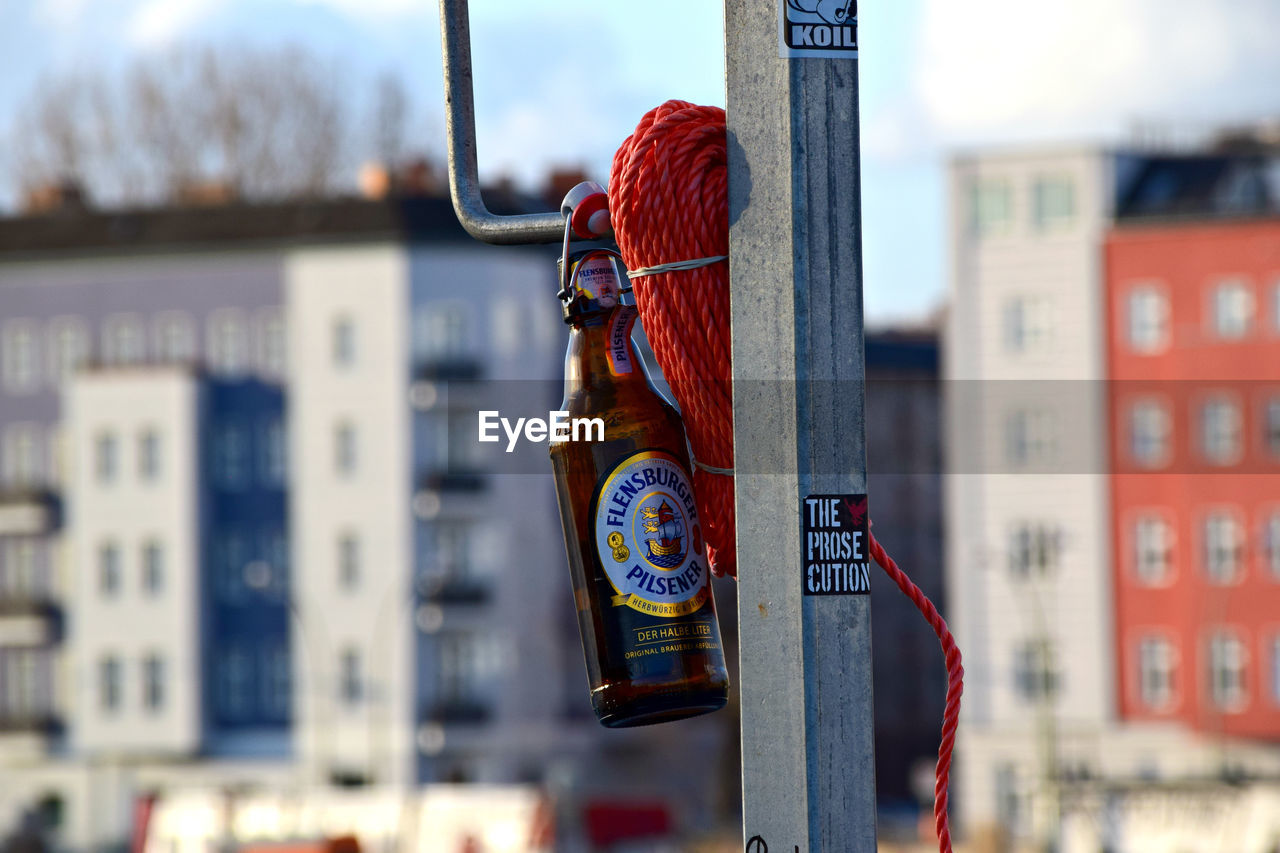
(648, 536)
(664, 532)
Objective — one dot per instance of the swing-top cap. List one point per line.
(586, 206)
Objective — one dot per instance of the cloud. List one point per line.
(374, 9)
(158, 23)
(60, 13)
(1011, 70)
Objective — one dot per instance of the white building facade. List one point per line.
(248, 537)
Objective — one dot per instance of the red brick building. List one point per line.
(1193, 359)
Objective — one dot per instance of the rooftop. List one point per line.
(75, 228)
(1200, 186)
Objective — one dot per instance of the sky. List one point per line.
(562, 82)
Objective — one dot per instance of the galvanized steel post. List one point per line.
(796, 289)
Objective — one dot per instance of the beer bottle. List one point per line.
(631, 526)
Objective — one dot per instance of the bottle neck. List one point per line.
(600, 351)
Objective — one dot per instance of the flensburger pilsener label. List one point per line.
(648, 535)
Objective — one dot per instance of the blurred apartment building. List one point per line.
(1113, 525)
(246, 541)
(904, 463)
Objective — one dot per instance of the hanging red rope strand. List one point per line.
(669, 202)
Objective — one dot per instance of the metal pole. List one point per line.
(796, 290)
(460, 128)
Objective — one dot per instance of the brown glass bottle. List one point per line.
(631, 528)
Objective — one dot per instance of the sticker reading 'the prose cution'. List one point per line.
(834, 547)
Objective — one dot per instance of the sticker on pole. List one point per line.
(823, 28)
(835, 545)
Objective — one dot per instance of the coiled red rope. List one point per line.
(668, 202)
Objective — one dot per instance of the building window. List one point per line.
(122, 340)
(230, 451)
(273, 450)
(990, 206)
(276, 681)
(444, 330)
(105, 463)
(1008, 800)
(273, 354)
(149, 455)
(230, 556)
(1053, 202)
(24, 672)
(468, 667)
(1275, 669)
(349, 561)
(153, 683)
(1148, 319)
(457, 448)
(351, 679)
(344, 342)
(1034, 674)
(175, 338)
(109, 677)
(1033, 549)
(1150, 429)
(1223, 547)
(68, 348)
(21, 372)
(228, 342)
(236, 679)
(1028, 323)
(153, 567)
(344, 449)
(1271, 544)
(1271, 427)
(1031, 437)
(22, 456)
(19, 578)
(1221, 436)
(109, 569)
(1155, 672)
(275, 550)
(1152, 550)
(1232, 310)
(453, 552)
(1226, 671)
(1275, 305)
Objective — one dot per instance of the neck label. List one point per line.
(620, 356)
(599, 281)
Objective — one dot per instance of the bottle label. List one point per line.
(599, 280)
(620, 323)
(648, 536)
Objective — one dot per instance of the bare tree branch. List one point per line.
(253, 123)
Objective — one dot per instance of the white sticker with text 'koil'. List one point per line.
(821, 28)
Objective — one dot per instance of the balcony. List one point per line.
(454, 481)
(28, 512)
(450, 368)
(23, 603)
(453, 589)
(458, 711)
(28, 620)
(35, 721)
